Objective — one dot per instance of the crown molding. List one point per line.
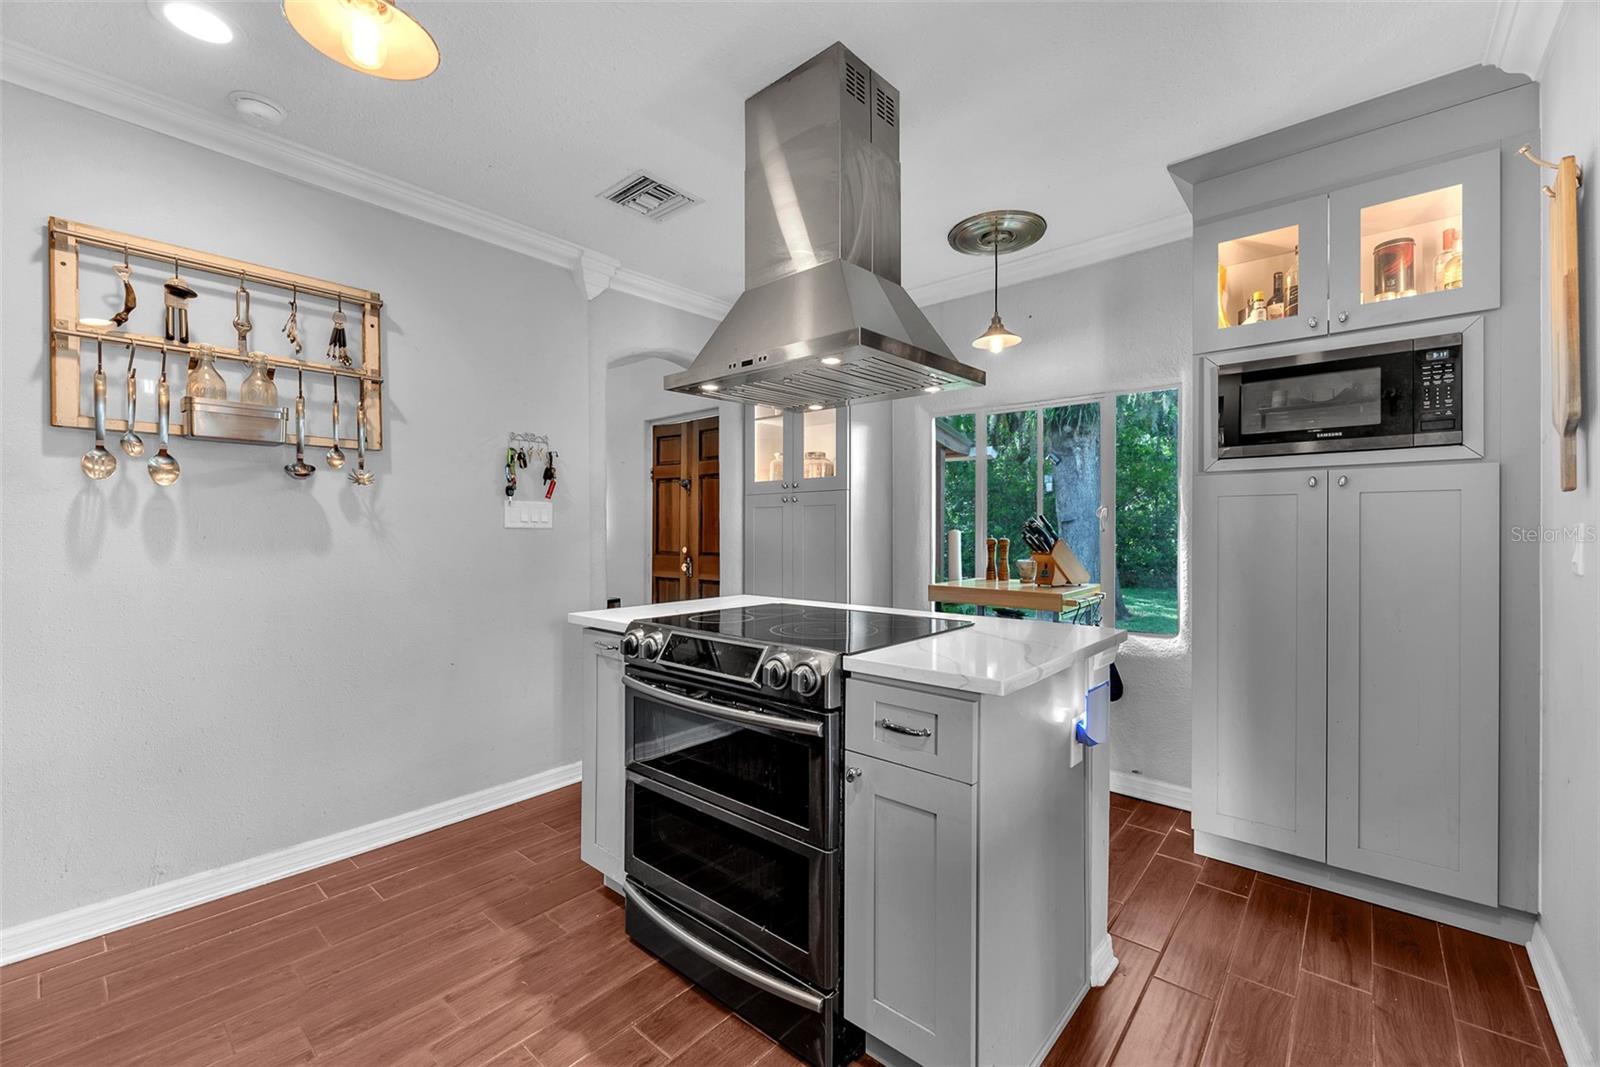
(1026, 268)
(1521, 35)
(32, 69)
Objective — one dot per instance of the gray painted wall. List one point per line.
(1113, 326)
(298, 659)
(1570, 878)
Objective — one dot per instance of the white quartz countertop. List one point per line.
(994, 656)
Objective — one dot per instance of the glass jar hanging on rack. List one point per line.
(203, 382)
(258, 387)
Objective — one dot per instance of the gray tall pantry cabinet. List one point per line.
(817, 500)
(1365, 636)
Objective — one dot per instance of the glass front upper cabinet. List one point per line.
(1261, 277)
(790, 450)
(1417, 245)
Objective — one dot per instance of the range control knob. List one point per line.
(630, 643)
(650, 645)
(806, 679)
(775, 672)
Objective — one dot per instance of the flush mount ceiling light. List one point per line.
(195, 19)
(991, 234)
(256, 109)
(371, 36)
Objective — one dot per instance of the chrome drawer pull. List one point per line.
(794, 994)
(722, 711)
(909, 731)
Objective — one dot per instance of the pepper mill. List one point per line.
(989, 546)
(1003, 562)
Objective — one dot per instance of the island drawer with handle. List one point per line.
(934, 732)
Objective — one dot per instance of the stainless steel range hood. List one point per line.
(823, 319)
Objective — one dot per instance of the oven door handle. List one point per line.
(794, 994)
(723, 711)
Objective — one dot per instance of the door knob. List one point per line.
(852, 773)
(1344, 316)
(1312, 481)
(1311, 322)
(1343, 480)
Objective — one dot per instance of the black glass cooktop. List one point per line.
(840, 630)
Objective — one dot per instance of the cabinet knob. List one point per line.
(1344, 316)
(1311, 322)
(1312, 481)
(1343, 480)
(852, 773)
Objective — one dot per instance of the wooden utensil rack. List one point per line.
(68, 368)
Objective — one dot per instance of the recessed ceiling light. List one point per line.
(197, 20)
(256, 109)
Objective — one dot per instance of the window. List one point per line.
(1103, 470)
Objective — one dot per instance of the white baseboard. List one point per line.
(1103, 963)
(1558, 1000)
(69, 927)
(1152, 789)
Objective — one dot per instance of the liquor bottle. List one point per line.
(1291, 306)
(1275, 301)
(1447, 265)
(1258, 307)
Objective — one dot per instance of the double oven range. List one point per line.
(735, 806)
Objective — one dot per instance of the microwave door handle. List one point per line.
(723, 711)
(794, 994)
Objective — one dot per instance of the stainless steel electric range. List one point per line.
(735, 816)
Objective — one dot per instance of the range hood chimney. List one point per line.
(823, 319)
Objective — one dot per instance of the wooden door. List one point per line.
(910, 910)
(1261, 659)
(685, 515)
(1413, 676)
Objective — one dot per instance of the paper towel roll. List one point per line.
(953, 554)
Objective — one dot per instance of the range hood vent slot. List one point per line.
(885, 107)
(855, 82)
(647, 196)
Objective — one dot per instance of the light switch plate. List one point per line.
(529, 514)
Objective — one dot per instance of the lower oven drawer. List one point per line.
(778, 895)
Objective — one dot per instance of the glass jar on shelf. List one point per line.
(203, 382)
(1447, 265)
(258, 387)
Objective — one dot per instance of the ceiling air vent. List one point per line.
(855, 82)
(648, 196)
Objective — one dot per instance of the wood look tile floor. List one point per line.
(489, 942)
(1222, 966)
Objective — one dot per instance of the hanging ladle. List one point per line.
(163, 468)
(361, 476)
(300, 469)
(132, 444)
(335, 454)
(97, 462)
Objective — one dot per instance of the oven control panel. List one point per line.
(787, 673)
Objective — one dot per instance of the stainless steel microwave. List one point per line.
(1400, 394)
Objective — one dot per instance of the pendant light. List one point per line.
(371, 36)
(990, 234)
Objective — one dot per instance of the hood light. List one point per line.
(371, 36)
(813, 407)
(932, 389)
(831, 361)
(710, 387)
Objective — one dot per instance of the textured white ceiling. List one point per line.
(1072, 110)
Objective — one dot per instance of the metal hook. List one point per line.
(163, 361)
(131, 353)
(99, 355)
(1526, 151)
(125, 257)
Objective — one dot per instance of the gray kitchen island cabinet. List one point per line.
(966, 898)
(1347, 669)
(603, 822)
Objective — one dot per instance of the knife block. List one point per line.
(1058, 567)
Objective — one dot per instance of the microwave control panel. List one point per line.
(1438, 390)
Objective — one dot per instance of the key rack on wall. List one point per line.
(72, 347)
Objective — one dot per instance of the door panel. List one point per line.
(1413, 676)
(766, 539)
(820, 540)
(910, 913)
(669, 511)
(1261, 588)
(705, 508)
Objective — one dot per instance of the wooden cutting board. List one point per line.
(1566, 387)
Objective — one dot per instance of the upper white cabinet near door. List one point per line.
(1413, 676)
(791, 450)
(1261, 579)
(1236, 257)
(1388, 255)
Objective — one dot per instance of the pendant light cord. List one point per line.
(995, 240)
